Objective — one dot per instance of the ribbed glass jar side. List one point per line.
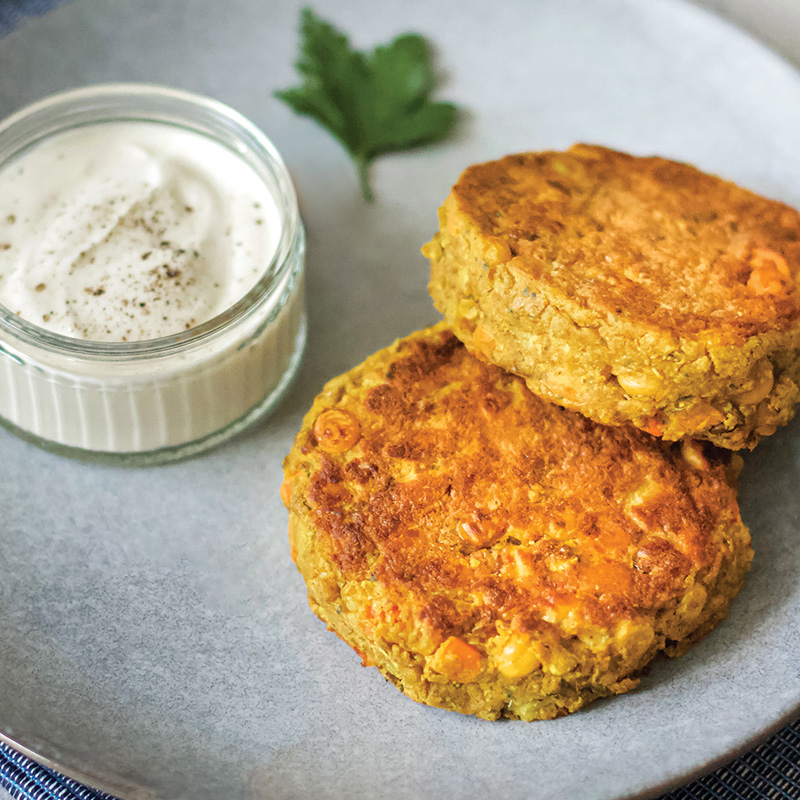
(157, 400)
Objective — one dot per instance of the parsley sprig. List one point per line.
(372, 102)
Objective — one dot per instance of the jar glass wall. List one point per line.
(161, 399)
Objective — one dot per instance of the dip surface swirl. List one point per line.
(127, 231)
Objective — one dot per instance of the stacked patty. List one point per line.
(630, 289)
(513, 512)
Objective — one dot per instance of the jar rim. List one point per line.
(145, 102)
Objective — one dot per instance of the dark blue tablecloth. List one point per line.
(771, 771)
(12, 11)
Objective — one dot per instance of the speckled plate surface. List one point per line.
(155, 637)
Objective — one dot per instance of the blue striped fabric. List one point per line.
(24, 779)
(769, 772)
(12, 11)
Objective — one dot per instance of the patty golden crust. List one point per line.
(630, 289)
(497, 555)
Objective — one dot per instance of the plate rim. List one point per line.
(129, 791)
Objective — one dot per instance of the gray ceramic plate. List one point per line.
(155, 635)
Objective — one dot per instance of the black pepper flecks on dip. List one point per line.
(135, 239)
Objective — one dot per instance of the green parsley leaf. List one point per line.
(373, 103)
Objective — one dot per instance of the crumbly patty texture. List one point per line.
(630, 289)
(494, 554)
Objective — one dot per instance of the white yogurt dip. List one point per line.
(131, 230)
(151, 273)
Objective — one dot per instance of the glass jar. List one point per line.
(157, 400)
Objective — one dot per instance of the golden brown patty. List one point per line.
(630, 289)
(497, 555)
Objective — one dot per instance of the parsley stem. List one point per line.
(374, 102)
(362, 167)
